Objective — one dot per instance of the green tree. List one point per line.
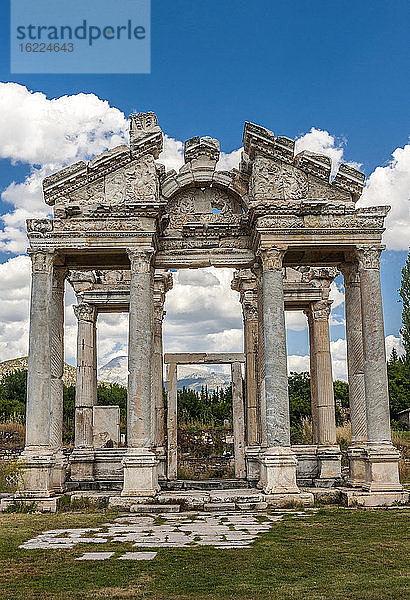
(405, 298)
(13, 393)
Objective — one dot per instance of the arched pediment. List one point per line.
(203, 205)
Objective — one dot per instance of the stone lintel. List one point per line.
(197, 358)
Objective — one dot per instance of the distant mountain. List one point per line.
(15, 364)
(192, 376)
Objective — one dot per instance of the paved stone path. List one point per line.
(221, 530)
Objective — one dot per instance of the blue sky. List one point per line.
(339, 67)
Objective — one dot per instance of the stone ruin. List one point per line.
(121, 222)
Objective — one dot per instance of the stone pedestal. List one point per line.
(278, 471)
(140, 473)
(82, 464)
(329, 466)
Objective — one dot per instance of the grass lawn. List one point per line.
(335, 554)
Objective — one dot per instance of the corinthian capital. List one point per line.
(272, 258)
(85, 312)
(321, 309)
(350, 272)
(140, 259)
(368, 256)
(42, 261)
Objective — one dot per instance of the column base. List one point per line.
(140, 473)
(278, 471)
(329, 465)
(58, 472)
(357, 466)
(82, 464)
(162, 462)
(253, 465)
(38, 475)
(382, 469)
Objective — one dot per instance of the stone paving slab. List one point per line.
(138, 556)
(221, 530)
(95, 556)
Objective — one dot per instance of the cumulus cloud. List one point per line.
(322, 142)
(390, 185)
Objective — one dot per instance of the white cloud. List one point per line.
(394, 342)
(390, 185)
(295, 320)
(48, 134)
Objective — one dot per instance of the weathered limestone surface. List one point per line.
(239, 420)
(355, 369)
(121, 217)
(382, 457)
(172, 420)
(106, 426)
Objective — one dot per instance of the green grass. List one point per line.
(335, 554)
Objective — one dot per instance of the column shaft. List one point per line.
(354, 340)
(157, 381)
(57, 360)
(139, 434)
(326, 423)
(275, 361)
(374, 352)
(172, 421)
(38, 380)
(86, 381)
(238, 420)
(313, 379)
(251, 375)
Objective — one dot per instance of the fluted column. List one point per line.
(328, 452)
(238, 420)
(162, 284)
(82, 457)
(86, 380)
(140, 472)
(326, 423)
(313, 377)
(278, 463)
(355, 371)
(56, 373)
(38, 454)
(172, 421)
(382, 458)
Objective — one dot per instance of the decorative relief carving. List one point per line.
(321, 309)
(42, 261)
(278, 180)
(41, 226)
(140, 259)
(272, 258)
(368, 256)
(85, 312)
(196, 205)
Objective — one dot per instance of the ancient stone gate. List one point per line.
(123, 213)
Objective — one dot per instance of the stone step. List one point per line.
(217, 506)
(154, 508)
(95, 486)
(204, 484)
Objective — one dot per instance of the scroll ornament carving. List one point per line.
(368, 256)
(42, 261)
(272, 258)
(321, 309)
(140, 259)
(85, 312)
(350, 272)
